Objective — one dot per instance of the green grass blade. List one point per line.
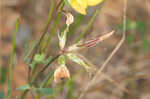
(89, 24)
(51, 10)
(54, 27)
(12, 62)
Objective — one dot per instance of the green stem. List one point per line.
(46, 81)
(32, 80)
(88, 25)
(12, 61)
(35, 78)
(54, 27)
(51, 10)
(45, 67)
(41, 40)
(45, 30)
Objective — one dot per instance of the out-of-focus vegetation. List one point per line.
(136, 33)
(126, 75)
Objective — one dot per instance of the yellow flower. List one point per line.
(81, 5)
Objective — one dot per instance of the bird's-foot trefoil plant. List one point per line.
(36, 56)
(70, 53)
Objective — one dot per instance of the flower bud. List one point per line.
(70, 19)
(62, 39)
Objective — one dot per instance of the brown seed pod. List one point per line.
(60, 73)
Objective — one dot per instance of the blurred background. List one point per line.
(128, 72)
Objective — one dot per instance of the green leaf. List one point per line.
(24, 87)
(130, 25)
(146, 45)
(9, 93)
(61, 60)
(27, 60)
(47, 60)
(26, 49)
(38, 58)
(62, 38)
(32, 65)
(66, 2)
(46, 91)
(3, 75)
(141, 27)
(130, 38)
(77, 60)
(45, 80)
(2, 95)
(71, 89)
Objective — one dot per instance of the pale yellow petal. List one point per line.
(93, 2)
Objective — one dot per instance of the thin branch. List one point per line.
(111, 55)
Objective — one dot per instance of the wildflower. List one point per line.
(60, 73)
(81, 5)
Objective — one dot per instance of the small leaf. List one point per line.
(3, 74)
(46, 91)
(146, 45)
(27, 60)
(38, 58)
(62, 38)
(141, 27)
(132, 25)
(77, 59)
(47, 60)
(2, 95)
(130, 38)
(61, 60)
(24, 87)
(32, 65)
(26, 49)
(66, 2)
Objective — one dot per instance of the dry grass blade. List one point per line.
(99, 72)
(116, 83)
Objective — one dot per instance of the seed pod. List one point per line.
(60, 73)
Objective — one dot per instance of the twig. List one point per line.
(111, 55)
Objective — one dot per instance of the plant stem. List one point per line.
(44, 33)
(51, 10)
(45, 30)
(45, 67)
(88, 25)
(38, 74)
(12, 61)
(54, 27)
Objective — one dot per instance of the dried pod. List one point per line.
(96, 40)
(60, 73)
